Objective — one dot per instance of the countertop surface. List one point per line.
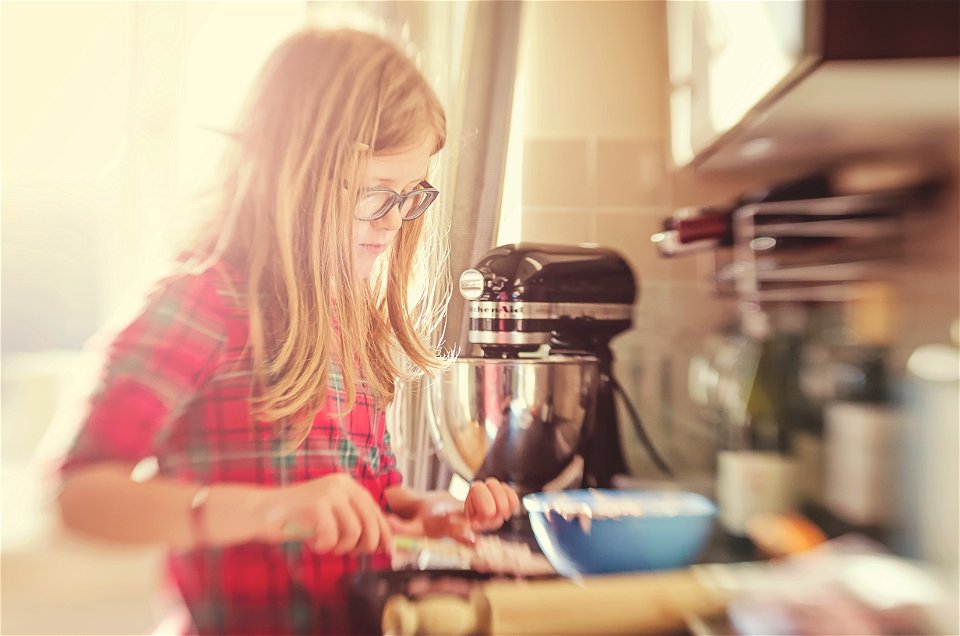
(370, 590)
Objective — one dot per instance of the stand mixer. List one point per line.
(541, 392)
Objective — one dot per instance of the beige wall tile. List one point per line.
(686, 269)
(629, 232)
(556, 173)
(595, 68)
(699, 312)
(653, 306)
(556, 226)
(631, 172)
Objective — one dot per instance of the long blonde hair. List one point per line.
(324, 103)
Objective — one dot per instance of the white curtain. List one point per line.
(110, 134)
(470, 54)
(107, 139)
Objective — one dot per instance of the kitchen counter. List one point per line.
(370, 590)
(824, 589)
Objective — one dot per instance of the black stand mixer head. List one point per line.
(570, 301)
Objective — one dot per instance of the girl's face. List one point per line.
(400, 171)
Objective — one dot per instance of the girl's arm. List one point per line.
(103, 501)
(334, 512)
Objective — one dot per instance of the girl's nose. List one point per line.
(389, 221)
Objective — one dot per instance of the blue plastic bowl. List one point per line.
(599, 531)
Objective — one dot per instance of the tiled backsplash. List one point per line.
(595, 172)
(677, 306)
(616, 192)
(596, 169)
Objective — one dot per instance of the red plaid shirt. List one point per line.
(176, 386)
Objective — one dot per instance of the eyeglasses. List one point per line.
(374, 203)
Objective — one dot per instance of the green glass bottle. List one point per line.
(755, 466)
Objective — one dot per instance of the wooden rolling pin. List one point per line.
(648, 603)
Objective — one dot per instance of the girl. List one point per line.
(258, 372)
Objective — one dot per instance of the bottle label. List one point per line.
(750, 482)
(859, 461)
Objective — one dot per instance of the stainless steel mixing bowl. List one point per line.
(519, 420)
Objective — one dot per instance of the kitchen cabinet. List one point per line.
(803, 80)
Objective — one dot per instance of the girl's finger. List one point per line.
(469, 510)
(386, 534)
(369, 517)
(458, 528)
(480, 502)
(514, 499)
(349, 528)
(397, 525)
(325, 533)
(500, 498)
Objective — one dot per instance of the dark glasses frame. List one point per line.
(423, 188)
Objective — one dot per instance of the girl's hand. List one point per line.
(487, 506)
(333, 513)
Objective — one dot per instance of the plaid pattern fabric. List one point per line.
(176, 386)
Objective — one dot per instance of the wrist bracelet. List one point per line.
(198, 530)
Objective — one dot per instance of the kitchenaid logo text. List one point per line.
(497, 311)
(548, 311)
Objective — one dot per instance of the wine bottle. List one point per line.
(816, 389)
(755, 468)
(862, 419)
